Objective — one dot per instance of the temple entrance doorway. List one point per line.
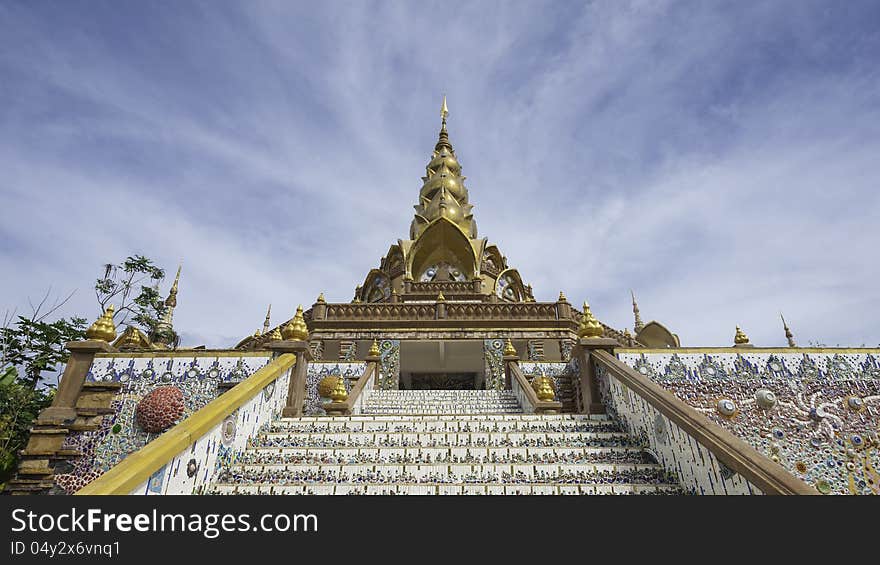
(442, 365)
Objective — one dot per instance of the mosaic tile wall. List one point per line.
(697, 470)
(493, 354)
(192, 469)
(389, 364)
(817, 414)
(351, 372)
(119, 433)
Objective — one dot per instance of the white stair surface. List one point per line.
(443, 442)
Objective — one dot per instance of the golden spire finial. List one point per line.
(441, 298)
(296, 329)
(275, 335)
(562, 297)
(444, 110)
(374, 349)
(638, 319)
(321, 298)
(740, 338)
(543, 387)
(788, 335)
(267, 321)
(103, 329)
(509, 349)
(590, 326)
(339, 393)
(172, 294)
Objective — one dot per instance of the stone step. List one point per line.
(442, 441)
(449, 417)
(442, 426)
(449, 489)
(525, 470)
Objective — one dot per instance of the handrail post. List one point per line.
(591, 403)
(296, 391)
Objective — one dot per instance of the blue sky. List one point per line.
(719, 158)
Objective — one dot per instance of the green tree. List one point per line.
(127, 287)
(30, 347)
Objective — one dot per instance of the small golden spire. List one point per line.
(339, 393)
(374, 349)
(441, 298)
(590, 326)
(444, 110)
(562, 297)
(509, 349)
(543, 387)
(275, 335)
(296, 329)
(266, 322)
(637, 327)
(103, 329)
(172, 294)
(321, 298)
(788, 335)
(257, 333)
(740, 338)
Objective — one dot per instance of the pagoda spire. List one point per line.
(788, 335)
(638, 325)
(443, 193)
(165, 327)
(267, 322)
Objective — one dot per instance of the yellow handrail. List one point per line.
(140, 465)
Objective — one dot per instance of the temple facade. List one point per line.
(444, 375)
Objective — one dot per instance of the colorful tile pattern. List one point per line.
(817, 414)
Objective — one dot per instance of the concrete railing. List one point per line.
(707, 458)
(182, 459)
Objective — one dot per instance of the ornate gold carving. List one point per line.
(103, 328)
(509, 349)
(590, 326)
(740, 338)
(339, 393)
(543, 387)
(296, 329)
(374, 349)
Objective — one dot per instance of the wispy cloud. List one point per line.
(720, 159)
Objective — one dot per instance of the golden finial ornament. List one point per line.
(740, 338)
(374, 349)
(590, 326)
(327, 385)
(638, 325)
(788, 335)
(543, 387)
(172, 294)
(562, 297)
(339, 393)
(103, 329)
(444, 110)
(509, 349)
(321, 299)
(296, 329)
(441, 298)
(275, 335)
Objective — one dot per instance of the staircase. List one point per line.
(443, 442)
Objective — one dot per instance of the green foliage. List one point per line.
(124, 285)
(32, 347)
(19, 406)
